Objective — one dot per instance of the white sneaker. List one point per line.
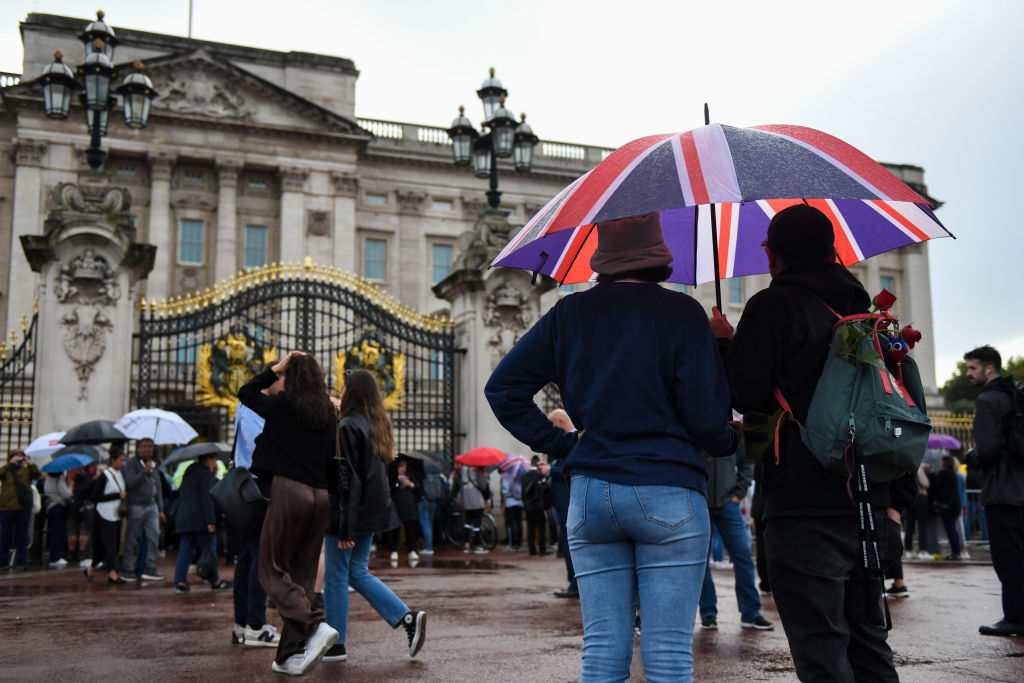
(318, 643)
(59, 564)
(964, 555)
(925, 555)
(725, 564)
(238, 635)
(262, 637)
(292, 666)
(413, 556)
(426, 552)
(351, 589)
(481, 550)
(394, 557)
(85, 563)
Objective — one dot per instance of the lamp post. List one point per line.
(94, 78)
(505, 139)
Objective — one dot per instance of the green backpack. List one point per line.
(861, 408)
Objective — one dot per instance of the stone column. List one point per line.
(872, 278)
(89, 263)
(293, 238)
(916, 311)
(346, 186)
(492, 309)
(226, 259)
(161, 234)
(28, 220)
(414, 257)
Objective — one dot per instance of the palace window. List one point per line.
(442, 205)
(190, 243)
(376, 199)
(887, 282)
(736, 291)
(255, 246)
(442, 262)
(375, 259)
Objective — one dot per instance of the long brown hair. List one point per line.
(362, 395)
(305, 388)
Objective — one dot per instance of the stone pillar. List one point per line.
(872, 278)
(492, 309)
(89, 263)
(916, 311)
(27, 220)
(226, 254)
(293, 238)
(414, 257)
(161, 234)
(346, 186)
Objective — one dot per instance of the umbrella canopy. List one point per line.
(223, 451)
(93, 432)
(45, 445)
(736, 179)
(514, 465)
(945, 441)
(481, 457)
(433, 463)
(163, 426)
(69, 461)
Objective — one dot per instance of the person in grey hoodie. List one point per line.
(728, 481)
(145, 510)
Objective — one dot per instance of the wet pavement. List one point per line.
(490, 618)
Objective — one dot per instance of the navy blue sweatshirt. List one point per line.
(640, 377)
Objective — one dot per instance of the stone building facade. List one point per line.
(254, 156)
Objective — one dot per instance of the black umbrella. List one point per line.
(223, 451)
(94, 432)
(433, 463)
(95, 452)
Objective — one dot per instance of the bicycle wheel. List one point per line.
(455, 530)
(488, 532)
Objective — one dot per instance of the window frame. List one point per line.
(366, 260)
(201, 243)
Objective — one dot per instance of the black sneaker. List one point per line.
(181, 588)
(758, 622)
(415, 624)
(898, 592)
(709, 622)
(336, 653)
(636, 626)
(152, 575)
(1002, 628)
(221, 586)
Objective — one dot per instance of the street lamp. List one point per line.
(95, 76)
(505, 139)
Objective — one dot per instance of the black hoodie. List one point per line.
(782, 340)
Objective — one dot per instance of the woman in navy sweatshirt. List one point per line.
(641, 377)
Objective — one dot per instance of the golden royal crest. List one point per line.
(225, 366)
(386, 367)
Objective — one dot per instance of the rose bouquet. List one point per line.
(890, 340)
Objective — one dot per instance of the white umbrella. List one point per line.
(45, 446)
(162, 426)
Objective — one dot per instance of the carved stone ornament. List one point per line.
(86, 285)
(30, 153)
(318, 222)
(293, 179)
(476, 248)
(193, 91)
(411, 201)
(473, 207)
(507, 317)
(345, 184)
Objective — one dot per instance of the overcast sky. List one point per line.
(934, 83)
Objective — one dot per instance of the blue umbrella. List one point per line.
(70, 461)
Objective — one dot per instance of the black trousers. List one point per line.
(831, 611)
(514, 521)
(1006, 541)
(536, 531)
(250, 598)
(563, 540)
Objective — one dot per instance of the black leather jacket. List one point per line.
(361, 502)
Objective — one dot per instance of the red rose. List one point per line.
(910, 335)
(884, 300)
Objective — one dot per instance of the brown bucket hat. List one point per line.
(628, 244)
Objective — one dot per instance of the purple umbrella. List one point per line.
(944, 441)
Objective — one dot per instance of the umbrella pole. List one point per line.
(714, 232)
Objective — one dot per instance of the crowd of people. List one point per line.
(643, 463)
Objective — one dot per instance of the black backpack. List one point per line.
(536, 491)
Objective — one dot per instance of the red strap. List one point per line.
(903, 389)
(786, 410)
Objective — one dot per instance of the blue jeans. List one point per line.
(629, 539)
(188, 543)
(729, 521)
(717, 544)
(427, 510)
(344, 568)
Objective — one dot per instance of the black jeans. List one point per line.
(831, 611)
(1006, 541)
(536, 531)
(563, 540)
(250, 599)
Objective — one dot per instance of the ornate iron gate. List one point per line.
(17, 384)
(192, 354)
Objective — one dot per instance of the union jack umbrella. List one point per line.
(716, 188)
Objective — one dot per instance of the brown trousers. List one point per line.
(293, 534)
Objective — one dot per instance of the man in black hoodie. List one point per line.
(1002, 489)
(831, 609)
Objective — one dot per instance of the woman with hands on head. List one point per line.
(296, 453)
(360, 507)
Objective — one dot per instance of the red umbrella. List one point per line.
(481, 457)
